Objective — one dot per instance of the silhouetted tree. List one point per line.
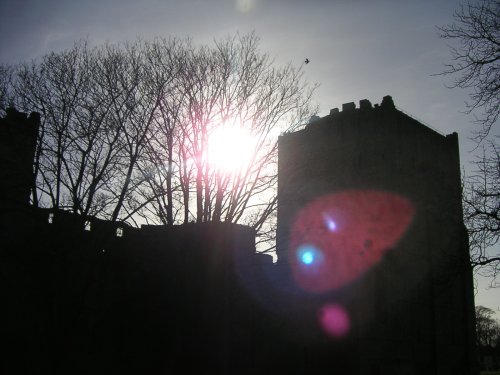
(487, 338)
(6, 72)
(97, 107)
(233, 85)
(487, 328)
(476, 58)
(126, 128)
(160, 164)
(482, 211)
(230, 85)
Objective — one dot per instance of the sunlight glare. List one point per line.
(230, 148)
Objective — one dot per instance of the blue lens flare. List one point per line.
(308, 254)
(307, 257)
(336, 238)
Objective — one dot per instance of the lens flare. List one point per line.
(309, 255)
(334, 320)
(336, 238)
(330, 224)
(307, 258)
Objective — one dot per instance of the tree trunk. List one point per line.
(170, 215)
(199, 192)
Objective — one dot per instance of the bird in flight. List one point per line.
(306, 61)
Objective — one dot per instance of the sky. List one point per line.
(357, 48)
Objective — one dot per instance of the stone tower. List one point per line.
(370, 218)
(18, 134)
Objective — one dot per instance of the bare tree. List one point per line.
(234, 86)
(127, 129)
(97, 106)
(487, 338)
(53, 88)
(6, 95)
(482, 212)
(487, 328)
(476, 58)
(160, 164)
(230, 85)
(476, 68)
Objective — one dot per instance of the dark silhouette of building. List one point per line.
(86, 296)
(374, 198)
(18, 134)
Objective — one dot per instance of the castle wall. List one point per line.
(82, 295)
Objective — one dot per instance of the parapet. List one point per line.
(350, 108)
(365, 104)
(353, 114)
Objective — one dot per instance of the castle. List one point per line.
(372, 274)
(377, 196)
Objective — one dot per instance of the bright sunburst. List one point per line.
(230, 148)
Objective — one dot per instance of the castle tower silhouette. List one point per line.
(370, 217)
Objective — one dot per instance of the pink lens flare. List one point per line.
(338, 237)
(334, 320)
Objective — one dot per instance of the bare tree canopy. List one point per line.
(482, 212)
(487, 335)
(476, 59)
(475, 51)
(486, 326)
(160, 132)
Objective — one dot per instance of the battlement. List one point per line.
(385, 112)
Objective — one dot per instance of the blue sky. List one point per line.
(358, 48)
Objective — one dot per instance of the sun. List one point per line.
(230, 148)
